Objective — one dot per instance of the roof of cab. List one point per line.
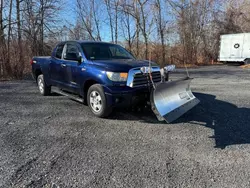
(86, 41)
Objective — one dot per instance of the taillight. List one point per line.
(31, 61)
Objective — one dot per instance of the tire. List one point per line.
(42, 86)
(246, 62)
(166, 77)
(97, 101)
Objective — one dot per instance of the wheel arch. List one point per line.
(87, 84)
(246, 61)
(37, 73)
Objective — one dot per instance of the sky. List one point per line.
(68, 11)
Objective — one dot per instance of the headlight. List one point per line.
(117, 76)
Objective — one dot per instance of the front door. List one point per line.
(72, 67)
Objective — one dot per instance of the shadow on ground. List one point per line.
(231, 124)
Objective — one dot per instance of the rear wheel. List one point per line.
(97, 101)
(42, 86)
(246, 62)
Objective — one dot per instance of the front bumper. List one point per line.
(125, 96)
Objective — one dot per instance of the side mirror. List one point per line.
(73, 57)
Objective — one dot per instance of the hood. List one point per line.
(121, 65)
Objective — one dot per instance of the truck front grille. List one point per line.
(141, 79)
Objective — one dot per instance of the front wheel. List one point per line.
(97, 101)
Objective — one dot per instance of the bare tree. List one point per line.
(143, 25)
(1, 22)
(191, 17)
(116, 7)
(137, 17)
(96, 18)
(39, 17)
(19, 71)
(161, 28)
(141, 13)
(77, 32)
(127, 26)
(2, 42)
(138, 9)
(110, 17)
(8, 67)
(88, 14)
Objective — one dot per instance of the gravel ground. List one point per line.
(56, 142)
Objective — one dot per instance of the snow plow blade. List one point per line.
(170, 100)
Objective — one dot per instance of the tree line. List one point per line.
(166, 31)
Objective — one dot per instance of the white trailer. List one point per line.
(235, 48)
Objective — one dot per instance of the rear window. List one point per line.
(59, 51)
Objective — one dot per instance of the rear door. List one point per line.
(72, 68)
(56, 67)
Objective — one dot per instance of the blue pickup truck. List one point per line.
(101, 75)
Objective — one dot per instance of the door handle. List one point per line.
(63, 65)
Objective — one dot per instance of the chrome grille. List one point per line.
(141, 79)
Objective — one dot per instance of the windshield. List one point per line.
(103, 51)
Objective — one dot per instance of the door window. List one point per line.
(59, 51)
(72, 52)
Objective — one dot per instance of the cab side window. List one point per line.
(72, 52)
(59, 51)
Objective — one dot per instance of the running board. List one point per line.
(69, 95)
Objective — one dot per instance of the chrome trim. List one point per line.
(169, 68)
(134, 71)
